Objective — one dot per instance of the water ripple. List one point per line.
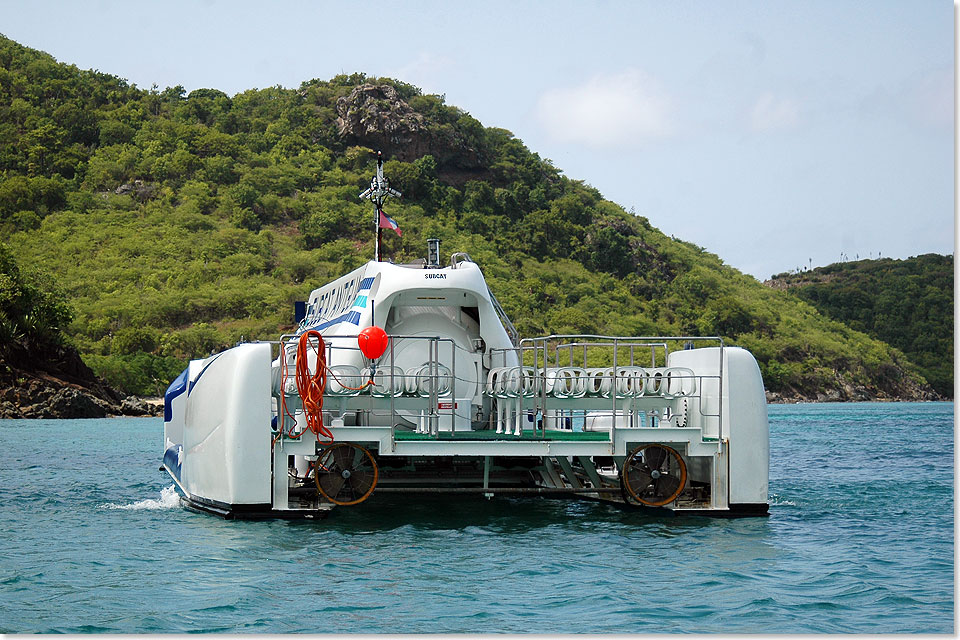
(855, 543)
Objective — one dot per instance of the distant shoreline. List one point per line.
(884, 400)
(775, 398)
(152, 406)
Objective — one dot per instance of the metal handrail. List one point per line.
(543, 342)
(433, 371)
(537, 403)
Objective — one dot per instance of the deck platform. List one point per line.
(526, 435)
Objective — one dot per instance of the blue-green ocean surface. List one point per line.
(859, 539)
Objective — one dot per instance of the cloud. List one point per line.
(607, 111)
(772, 112)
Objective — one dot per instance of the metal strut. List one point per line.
(378, 191)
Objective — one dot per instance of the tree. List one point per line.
(32, 312)
(609, 250)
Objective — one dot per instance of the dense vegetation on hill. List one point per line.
(905, 303)
(41, 376)
(31, 312)
(178, 224)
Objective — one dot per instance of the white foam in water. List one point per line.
(169, 498)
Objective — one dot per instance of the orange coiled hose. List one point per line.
(311, 386)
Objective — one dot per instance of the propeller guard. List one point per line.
(653, 475)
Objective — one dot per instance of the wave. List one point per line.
(169, 498)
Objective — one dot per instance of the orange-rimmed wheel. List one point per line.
(345, 473)
(654, 475)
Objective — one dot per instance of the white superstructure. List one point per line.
(457, 403)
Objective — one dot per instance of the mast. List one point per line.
(378, 191)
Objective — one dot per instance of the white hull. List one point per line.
(454, 410)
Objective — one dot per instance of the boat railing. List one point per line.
(351, 388)
(627, 370)
(549, 384)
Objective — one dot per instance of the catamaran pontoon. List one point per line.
(447, 398)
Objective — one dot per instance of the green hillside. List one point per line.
(178, 223)
(31, 313)
(905, 303)
(41, 375)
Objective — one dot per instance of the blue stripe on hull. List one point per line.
(171, 460)
(353, 317)
(176, 388)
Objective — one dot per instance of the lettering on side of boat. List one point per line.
(435, 276)
(332, 301)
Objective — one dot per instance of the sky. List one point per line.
(777, 135)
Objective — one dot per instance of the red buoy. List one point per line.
(373, 342)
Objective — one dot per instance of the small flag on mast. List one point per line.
(378, 192)
(389, 223)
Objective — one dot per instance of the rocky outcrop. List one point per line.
(60, 385)
(49, 398)
(905, 389)
(139, 189)
(135, 406)
(376, 116)
(45, 397)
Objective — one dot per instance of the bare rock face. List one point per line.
(375, 116)
(41, 395)
(53, 383)
(38, 398)
(899, 388)
(69, 402)
(134, 406)
(139, 189)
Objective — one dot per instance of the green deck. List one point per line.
(527, 434)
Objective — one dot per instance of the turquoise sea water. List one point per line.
(859, 539)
